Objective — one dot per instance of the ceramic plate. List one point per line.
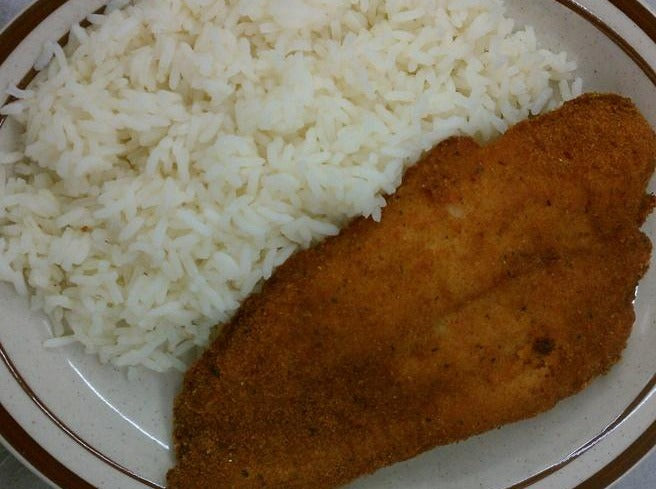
(85, 426)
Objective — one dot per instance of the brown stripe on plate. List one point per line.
(649, 29)
(7, 49)
(39, 458)
(25, 23)
(623, 462)
(610, 473)
(62, 426)
(639, 14)
(56, 472)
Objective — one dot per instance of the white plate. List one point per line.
(84, 426)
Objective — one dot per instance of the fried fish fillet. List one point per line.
(499, 281)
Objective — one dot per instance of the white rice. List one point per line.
(177, 151)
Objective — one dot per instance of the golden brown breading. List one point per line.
(499, 281)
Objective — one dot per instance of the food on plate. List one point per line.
(499, 280)
(176, 152)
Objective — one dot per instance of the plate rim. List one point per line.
(48, 467)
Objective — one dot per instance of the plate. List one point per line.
(82, 425)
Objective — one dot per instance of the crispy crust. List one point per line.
(499, 281)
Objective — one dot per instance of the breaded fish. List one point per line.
(499, 281)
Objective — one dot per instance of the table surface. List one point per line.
(13, 475)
